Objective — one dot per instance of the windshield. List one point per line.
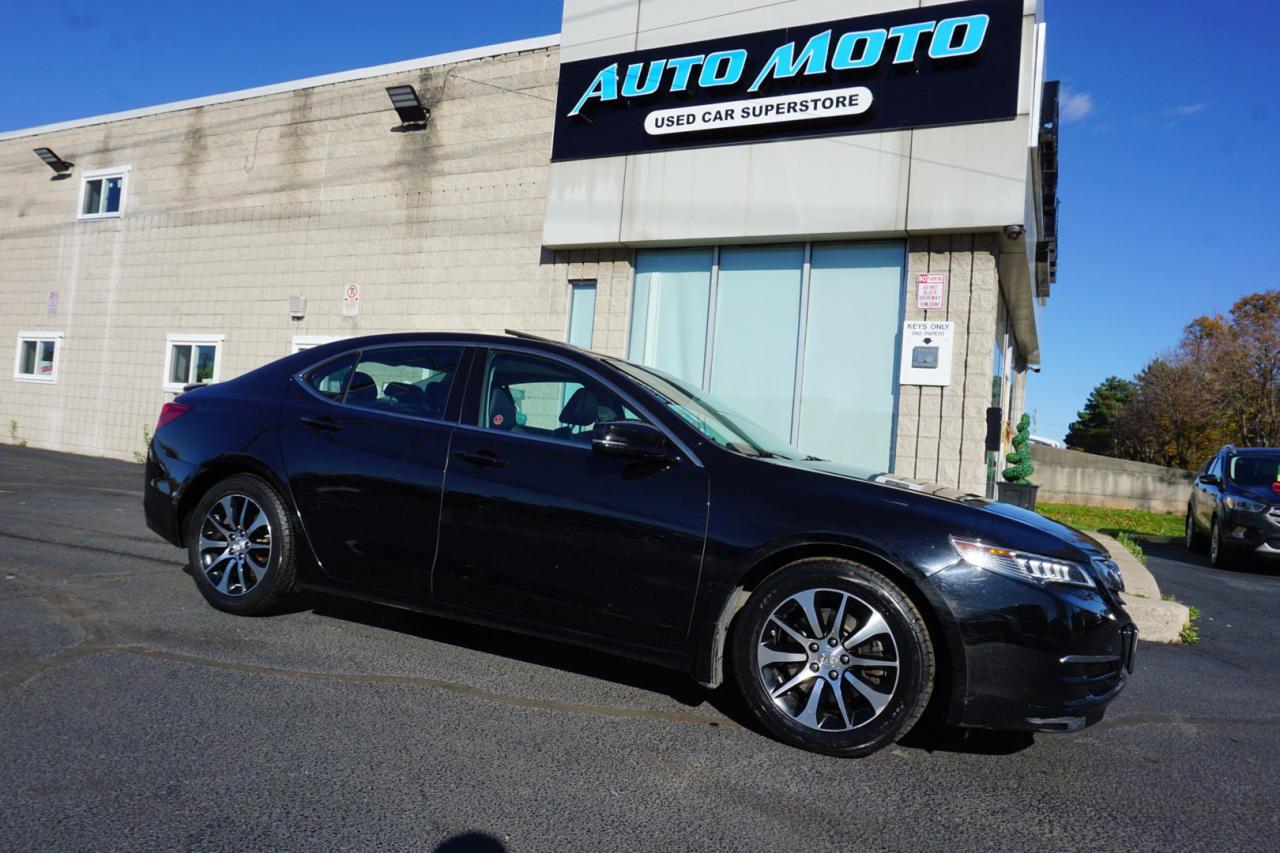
(712, 417)
(1255, 470)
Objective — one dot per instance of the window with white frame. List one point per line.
(304, 342)
(102, 193)
(191, 359)
(37, 356)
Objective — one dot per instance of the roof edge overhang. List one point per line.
(536, 43)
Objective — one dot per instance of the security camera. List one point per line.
(1014, 232)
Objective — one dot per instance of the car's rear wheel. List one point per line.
(240, 542)
(832, 656)
(1195, 539)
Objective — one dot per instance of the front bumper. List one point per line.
(1040, 658)
(1258, 532)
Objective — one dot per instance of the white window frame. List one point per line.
(38, 337)
(121, 172)
(184, 339)
(306, 342)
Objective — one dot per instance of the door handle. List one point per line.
(324, 423)
(483, 458)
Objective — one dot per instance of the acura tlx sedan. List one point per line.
(538, 487)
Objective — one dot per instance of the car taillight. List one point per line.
(171, 412)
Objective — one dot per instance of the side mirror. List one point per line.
(631, 440)
(1209, 479)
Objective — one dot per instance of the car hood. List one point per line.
(1076, 538)
(1261, 494)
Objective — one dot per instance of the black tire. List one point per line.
(1195, 540)
(1217, 551)
(263, 583)
(855, 726)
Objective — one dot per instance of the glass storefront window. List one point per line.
(757, 321)
(669, 311)
(736, 321)
(850, 388)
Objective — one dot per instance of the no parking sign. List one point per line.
(351, 300)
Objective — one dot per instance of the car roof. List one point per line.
(1251, 451)
(474, 338)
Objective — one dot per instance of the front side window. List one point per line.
(411, 380)
(192, 359)
(37, 356)
(530, 395)
(102, 194)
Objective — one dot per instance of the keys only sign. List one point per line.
(926, 352)
(934, 65)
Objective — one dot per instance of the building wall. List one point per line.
(941, 431)
(971, 177)
(232, 208)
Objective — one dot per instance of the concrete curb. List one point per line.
(1158, 621)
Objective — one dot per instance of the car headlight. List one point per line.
(1243, 505)
(1020, 564)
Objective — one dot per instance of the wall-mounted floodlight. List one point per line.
(53, 161)
(408, 106)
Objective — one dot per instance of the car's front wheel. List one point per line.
(832, 656)
(240, 542)
(1217, 551)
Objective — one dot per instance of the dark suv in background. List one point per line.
(1235, 504)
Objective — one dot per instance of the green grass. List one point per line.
(1132, 546)
(1114, 521)
(1190, 632)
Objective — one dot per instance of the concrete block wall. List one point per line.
(941, 430)
(1069, 476)
(232, 208)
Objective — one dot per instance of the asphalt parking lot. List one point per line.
(133, 716)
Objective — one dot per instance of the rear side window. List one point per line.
(330, 379)
(412, 380)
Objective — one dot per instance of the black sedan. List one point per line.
(538, 487)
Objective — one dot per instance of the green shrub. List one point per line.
(1020, 470)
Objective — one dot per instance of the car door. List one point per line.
(1206, 500)
(538, 527)
(365, 439)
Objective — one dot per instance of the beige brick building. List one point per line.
(214, 235)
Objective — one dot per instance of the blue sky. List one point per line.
(1169, 186)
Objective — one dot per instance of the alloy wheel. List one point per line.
(828, 660)
(1215, 543)
(235, 544)
(1191, 532)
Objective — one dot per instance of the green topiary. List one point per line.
(1020, 470)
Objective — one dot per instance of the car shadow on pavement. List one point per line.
(509, 644)
(930, 735)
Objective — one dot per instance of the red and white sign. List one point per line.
(351, 300)
(931, 291)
